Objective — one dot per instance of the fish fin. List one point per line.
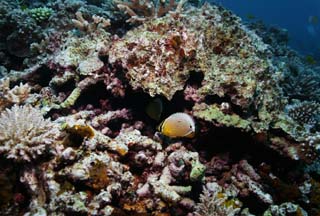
(190, 135)
(159, 128)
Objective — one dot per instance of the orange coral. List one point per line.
(98, 176)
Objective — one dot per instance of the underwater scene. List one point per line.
(159, 108)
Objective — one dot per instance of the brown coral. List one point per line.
(142, 10)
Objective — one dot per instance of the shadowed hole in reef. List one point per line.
(12, 190)
(195, 79)
(137, 101)
(41, 77)
(66, 87)
(241, 145)
(93, 95)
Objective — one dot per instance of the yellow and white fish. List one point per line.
(178, 125)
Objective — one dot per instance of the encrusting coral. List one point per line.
(158, 58)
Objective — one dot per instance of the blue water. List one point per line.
(292, 15)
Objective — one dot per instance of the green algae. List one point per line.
(212, 113)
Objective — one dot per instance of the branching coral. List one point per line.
(247, 181)
(300, 82)
(25, 134)
(179, 164)
(305, 113)
(215, 202)
(86, 26)
(16, 95)
(108, 179)
(285, 209)
(41, 14)
(142, 10)
(242, 178)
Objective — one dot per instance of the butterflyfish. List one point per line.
(178, 125)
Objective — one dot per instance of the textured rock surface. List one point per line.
(102, 155)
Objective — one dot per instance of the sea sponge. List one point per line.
(25, 134)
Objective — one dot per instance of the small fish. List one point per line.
(178, 125)
(154, 109)
(23, 7)
(250, 16)
(310, 60)
(313, 20)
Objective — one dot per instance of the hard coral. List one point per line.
(158, 56)
(84, 25)
(142, 10)
(285, 209)
(16, 95)
(300, 81)
(305, 113)
(25, 134)
(215, 202)
(41, 14)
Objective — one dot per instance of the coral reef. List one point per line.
(76, 139)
